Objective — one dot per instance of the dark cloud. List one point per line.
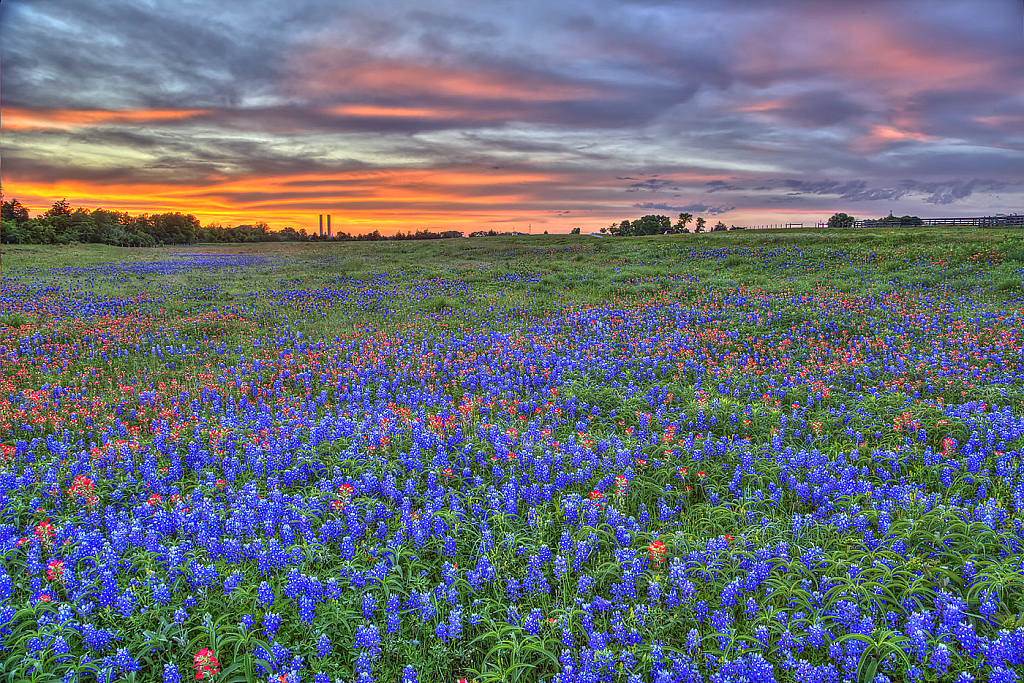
(938, 192)
(686, 208)
(718, 185)
(818, 108)
(951, 192)
(652, 185)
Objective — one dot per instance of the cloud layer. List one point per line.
(397, 114)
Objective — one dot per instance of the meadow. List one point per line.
(744, 456)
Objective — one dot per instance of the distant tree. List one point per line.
(651, 225)
(60, 208)
(175, 228)
(576, 231)
(111, 227)
(719, 227)
(911, 220)
(58, 220)
(700, 224)
(684, 219)
(841, 220)
(81, 226)
(623, 229)
(286, 235)
(736, 227)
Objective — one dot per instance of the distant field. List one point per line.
(744, 456)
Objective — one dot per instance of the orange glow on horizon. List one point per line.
(360, 200)
(390, 210)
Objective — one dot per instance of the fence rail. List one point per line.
(1012, 220)
(998, 221)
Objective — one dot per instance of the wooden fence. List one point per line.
(997, 221)
(1012, 220)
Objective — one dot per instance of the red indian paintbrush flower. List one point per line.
(657, 549)
(206, 665)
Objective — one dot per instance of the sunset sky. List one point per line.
(413, 114)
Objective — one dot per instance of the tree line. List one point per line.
(663, 225)
(62, 224)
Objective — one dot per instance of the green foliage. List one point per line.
(841, 220)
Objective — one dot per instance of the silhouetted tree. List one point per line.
(13, 211)
(684, 219)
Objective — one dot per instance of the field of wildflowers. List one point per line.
(738, 457)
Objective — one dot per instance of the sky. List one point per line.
(528, 115)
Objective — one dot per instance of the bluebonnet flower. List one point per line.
(532, 622)
(126, 661)
(171, 674)
(1001, 674)
(323, 646)
(369, 606)
(392, 609)
(265, 595)
(271, 622)
(455, 624)
(161, 593)
(368, 638)
(232, 582)
(941, 659)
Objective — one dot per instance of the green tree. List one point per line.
(111, 227)
(58, 218)
(141, 231)
(651, 225)
(841, 220)
(623, 229)
(175, 228)
(574, 231)
(81, 226)
(700, 224)
(11, 232)
(684, 219)
(719, 227)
